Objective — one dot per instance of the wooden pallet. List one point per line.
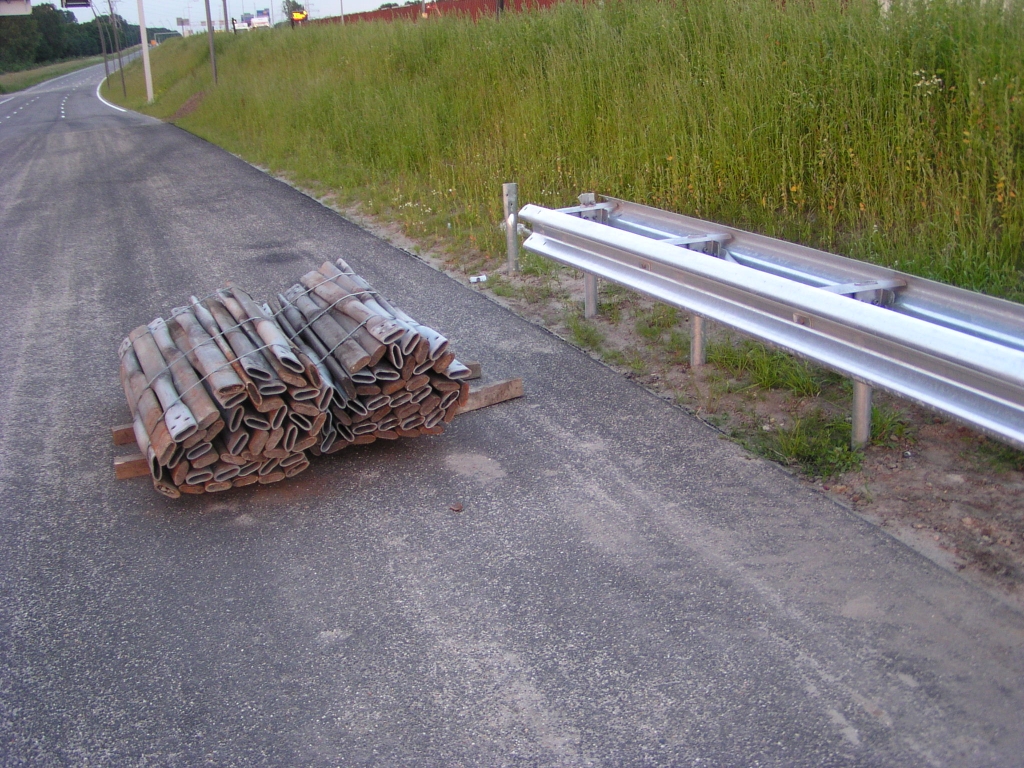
(480, 396)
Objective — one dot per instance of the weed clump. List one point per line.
(818, 444)
(1002, 457)
(768, 368)
(584, 333)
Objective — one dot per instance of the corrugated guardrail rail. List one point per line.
(955, 351)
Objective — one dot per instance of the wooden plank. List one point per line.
(492, 394)
(476, 370)
(123, 434)
(130, 465)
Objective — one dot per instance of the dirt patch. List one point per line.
(190, 106)
(946, 491)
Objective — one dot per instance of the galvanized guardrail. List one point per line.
(955, 351)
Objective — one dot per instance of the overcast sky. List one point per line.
(163, 13)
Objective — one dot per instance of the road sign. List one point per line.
(75, 4)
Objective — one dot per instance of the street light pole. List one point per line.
(117, 45)
(144, 35)
(209, 32)
(103, 42)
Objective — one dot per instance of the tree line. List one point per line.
(50, 34)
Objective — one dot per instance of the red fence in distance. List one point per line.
(472, 8)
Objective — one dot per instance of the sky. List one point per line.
(164, 13)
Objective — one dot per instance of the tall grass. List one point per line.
(894, 135)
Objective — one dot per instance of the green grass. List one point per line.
(818, 444)
(611, 300)
(768, 368)
(536, 266)
(501, 287)
(584, 333)
(1003, 458)
(888, 425)
(637, 362)
(652, 324)
(676, 348)
(26, 78)
(889, 135)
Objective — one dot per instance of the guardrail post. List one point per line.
(510, 197)
(698, 355)
(861, 415)
(589, 295)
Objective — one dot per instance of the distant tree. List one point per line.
(19, 39)
(82, 39)
(291, 6)
(51, 24)
(50, 34)
(128, 34)
(385, 6)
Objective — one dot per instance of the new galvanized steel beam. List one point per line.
(975, 377)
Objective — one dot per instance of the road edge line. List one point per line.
(112, 106)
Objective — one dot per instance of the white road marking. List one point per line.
(112, 106)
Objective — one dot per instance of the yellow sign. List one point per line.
(299, 15)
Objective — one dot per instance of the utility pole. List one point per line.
(103, 42)
(144, 35)
(227, 25)
(117, 45)
(209, 33)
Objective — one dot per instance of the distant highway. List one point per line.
(621, 587)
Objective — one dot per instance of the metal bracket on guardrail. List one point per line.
(958, 352)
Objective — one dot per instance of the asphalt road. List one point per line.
(622, 587)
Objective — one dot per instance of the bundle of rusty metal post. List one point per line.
(229, 392)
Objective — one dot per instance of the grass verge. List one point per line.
(26, 78)
(890, 133)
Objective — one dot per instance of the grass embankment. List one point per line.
(895, 136)
(26, 78)
(891, 136)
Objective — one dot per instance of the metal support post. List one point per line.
(698, 355)
(589, 295)
(861, 415)
(510, 198)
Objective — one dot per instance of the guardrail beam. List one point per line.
(952, 350)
